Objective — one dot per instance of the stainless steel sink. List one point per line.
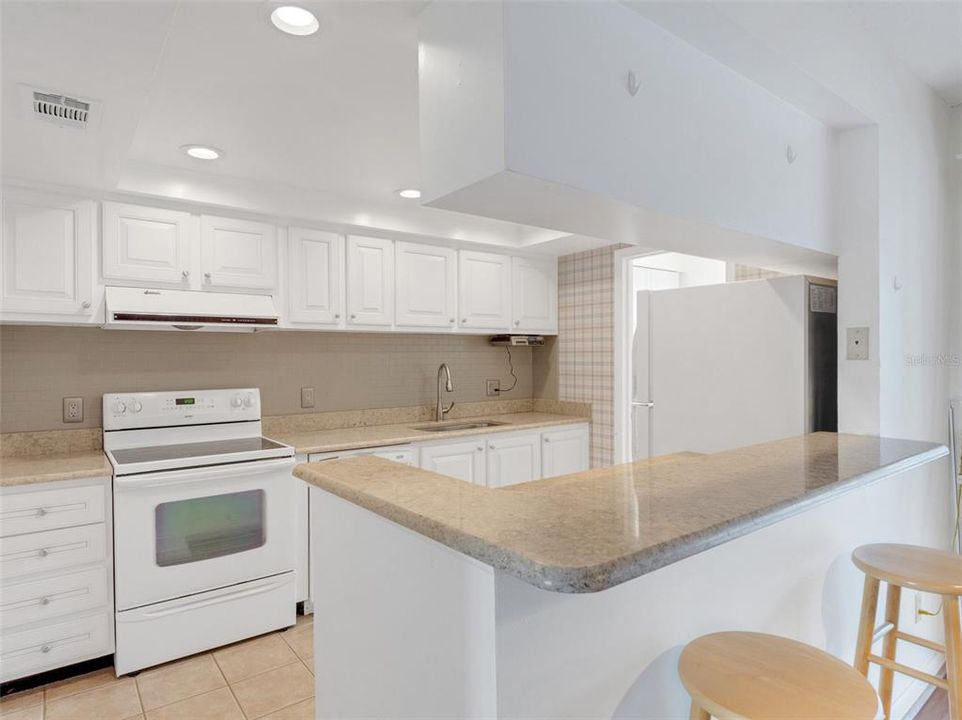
(452, 426)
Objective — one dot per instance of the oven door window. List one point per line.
(209, 527)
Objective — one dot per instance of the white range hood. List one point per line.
(156, 309)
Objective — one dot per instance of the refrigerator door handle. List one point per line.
(642, 404)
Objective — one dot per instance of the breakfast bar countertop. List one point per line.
(593, 530)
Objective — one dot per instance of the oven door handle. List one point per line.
(196, 475)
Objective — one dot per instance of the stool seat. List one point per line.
(754, 675)
(919, 568)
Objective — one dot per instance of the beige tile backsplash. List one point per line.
(41, 365)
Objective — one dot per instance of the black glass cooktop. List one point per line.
(193, 451)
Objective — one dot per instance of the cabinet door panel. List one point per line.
(564, 451)
(535, 295)
(146, 244)
(463, 460)
(426, 277)
(238, 253)
(484, 290)
(513, 459)
(370, 286)
(48, 248)
(315, 276)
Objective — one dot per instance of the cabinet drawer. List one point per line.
(52, 597)
(27, 512)
(31, 651)
(51, 550)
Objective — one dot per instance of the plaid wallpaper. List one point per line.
(585, 343)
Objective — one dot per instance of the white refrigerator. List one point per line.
(722, 366)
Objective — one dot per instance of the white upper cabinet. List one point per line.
(484, 290)
(426, 279)
(564, 451)
(513, 459)
(146, 245)
(535, 295)
(48, 250)
(370, 281)
(461, 460)
(315, 276)
(238, 254)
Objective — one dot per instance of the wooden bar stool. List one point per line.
(757, 676)
(919, 568)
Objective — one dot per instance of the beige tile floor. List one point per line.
(269, 677)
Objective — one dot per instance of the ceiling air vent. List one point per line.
(59, 109)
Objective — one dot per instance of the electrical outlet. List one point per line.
(492, 388)
(73, 409)
(307, 397)
(856, 343)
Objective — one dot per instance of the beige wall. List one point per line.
(41, 365)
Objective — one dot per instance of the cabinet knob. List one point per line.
(207, 277)
(85, 304)
(44, 601)
(480, 448)
(547, 439)
(464, 321)
(43, 552)
(186, 274)
(41, 512)
(353, 316)
(491, 446)
(451, 320)
(517, 322)
(45, 649)
(337, 316)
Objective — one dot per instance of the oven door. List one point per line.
(181, 532)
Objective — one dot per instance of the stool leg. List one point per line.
(953, 654)
(866, 624)
(697, 713)
(893, 601)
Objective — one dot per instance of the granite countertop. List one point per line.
(593, 530)
(354, 438)
(23, 470)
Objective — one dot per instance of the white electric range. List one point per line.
(203, 542)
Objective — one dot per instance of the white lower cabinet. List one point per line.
(564, 451)
(463, 460)
(56, 577)
(513, 459)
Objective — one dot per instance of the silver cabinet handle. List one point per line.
(42, 552)
(45, 601)
(451, 320)
(517, 322)
(45, 649)
(643, 404)
(353, 316)
(464, 321)
(337, 315)
(547, 439)
(207, 277)
(41, 512)
(481, 449)
(85, 304)
(186, 274)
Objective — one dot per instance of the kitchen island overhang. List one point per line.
(431, 592)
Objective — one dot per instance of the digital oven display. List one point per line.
(184, 401)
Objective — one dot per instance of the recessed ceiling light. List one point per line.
(409, 193)
(201, 152)
(294, 20)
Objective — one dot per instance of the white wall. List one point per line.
(692, 270)
(698, 141)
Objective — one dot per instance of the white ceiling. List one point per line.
(325, 126)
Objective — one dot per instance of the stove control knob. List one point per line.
(248, 401)
(236, 401)
(119, 407)
(135, 406)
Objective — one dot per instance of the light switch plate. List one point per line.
(856, 345)
(307, 397)
(73, 409)
(492, 388)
